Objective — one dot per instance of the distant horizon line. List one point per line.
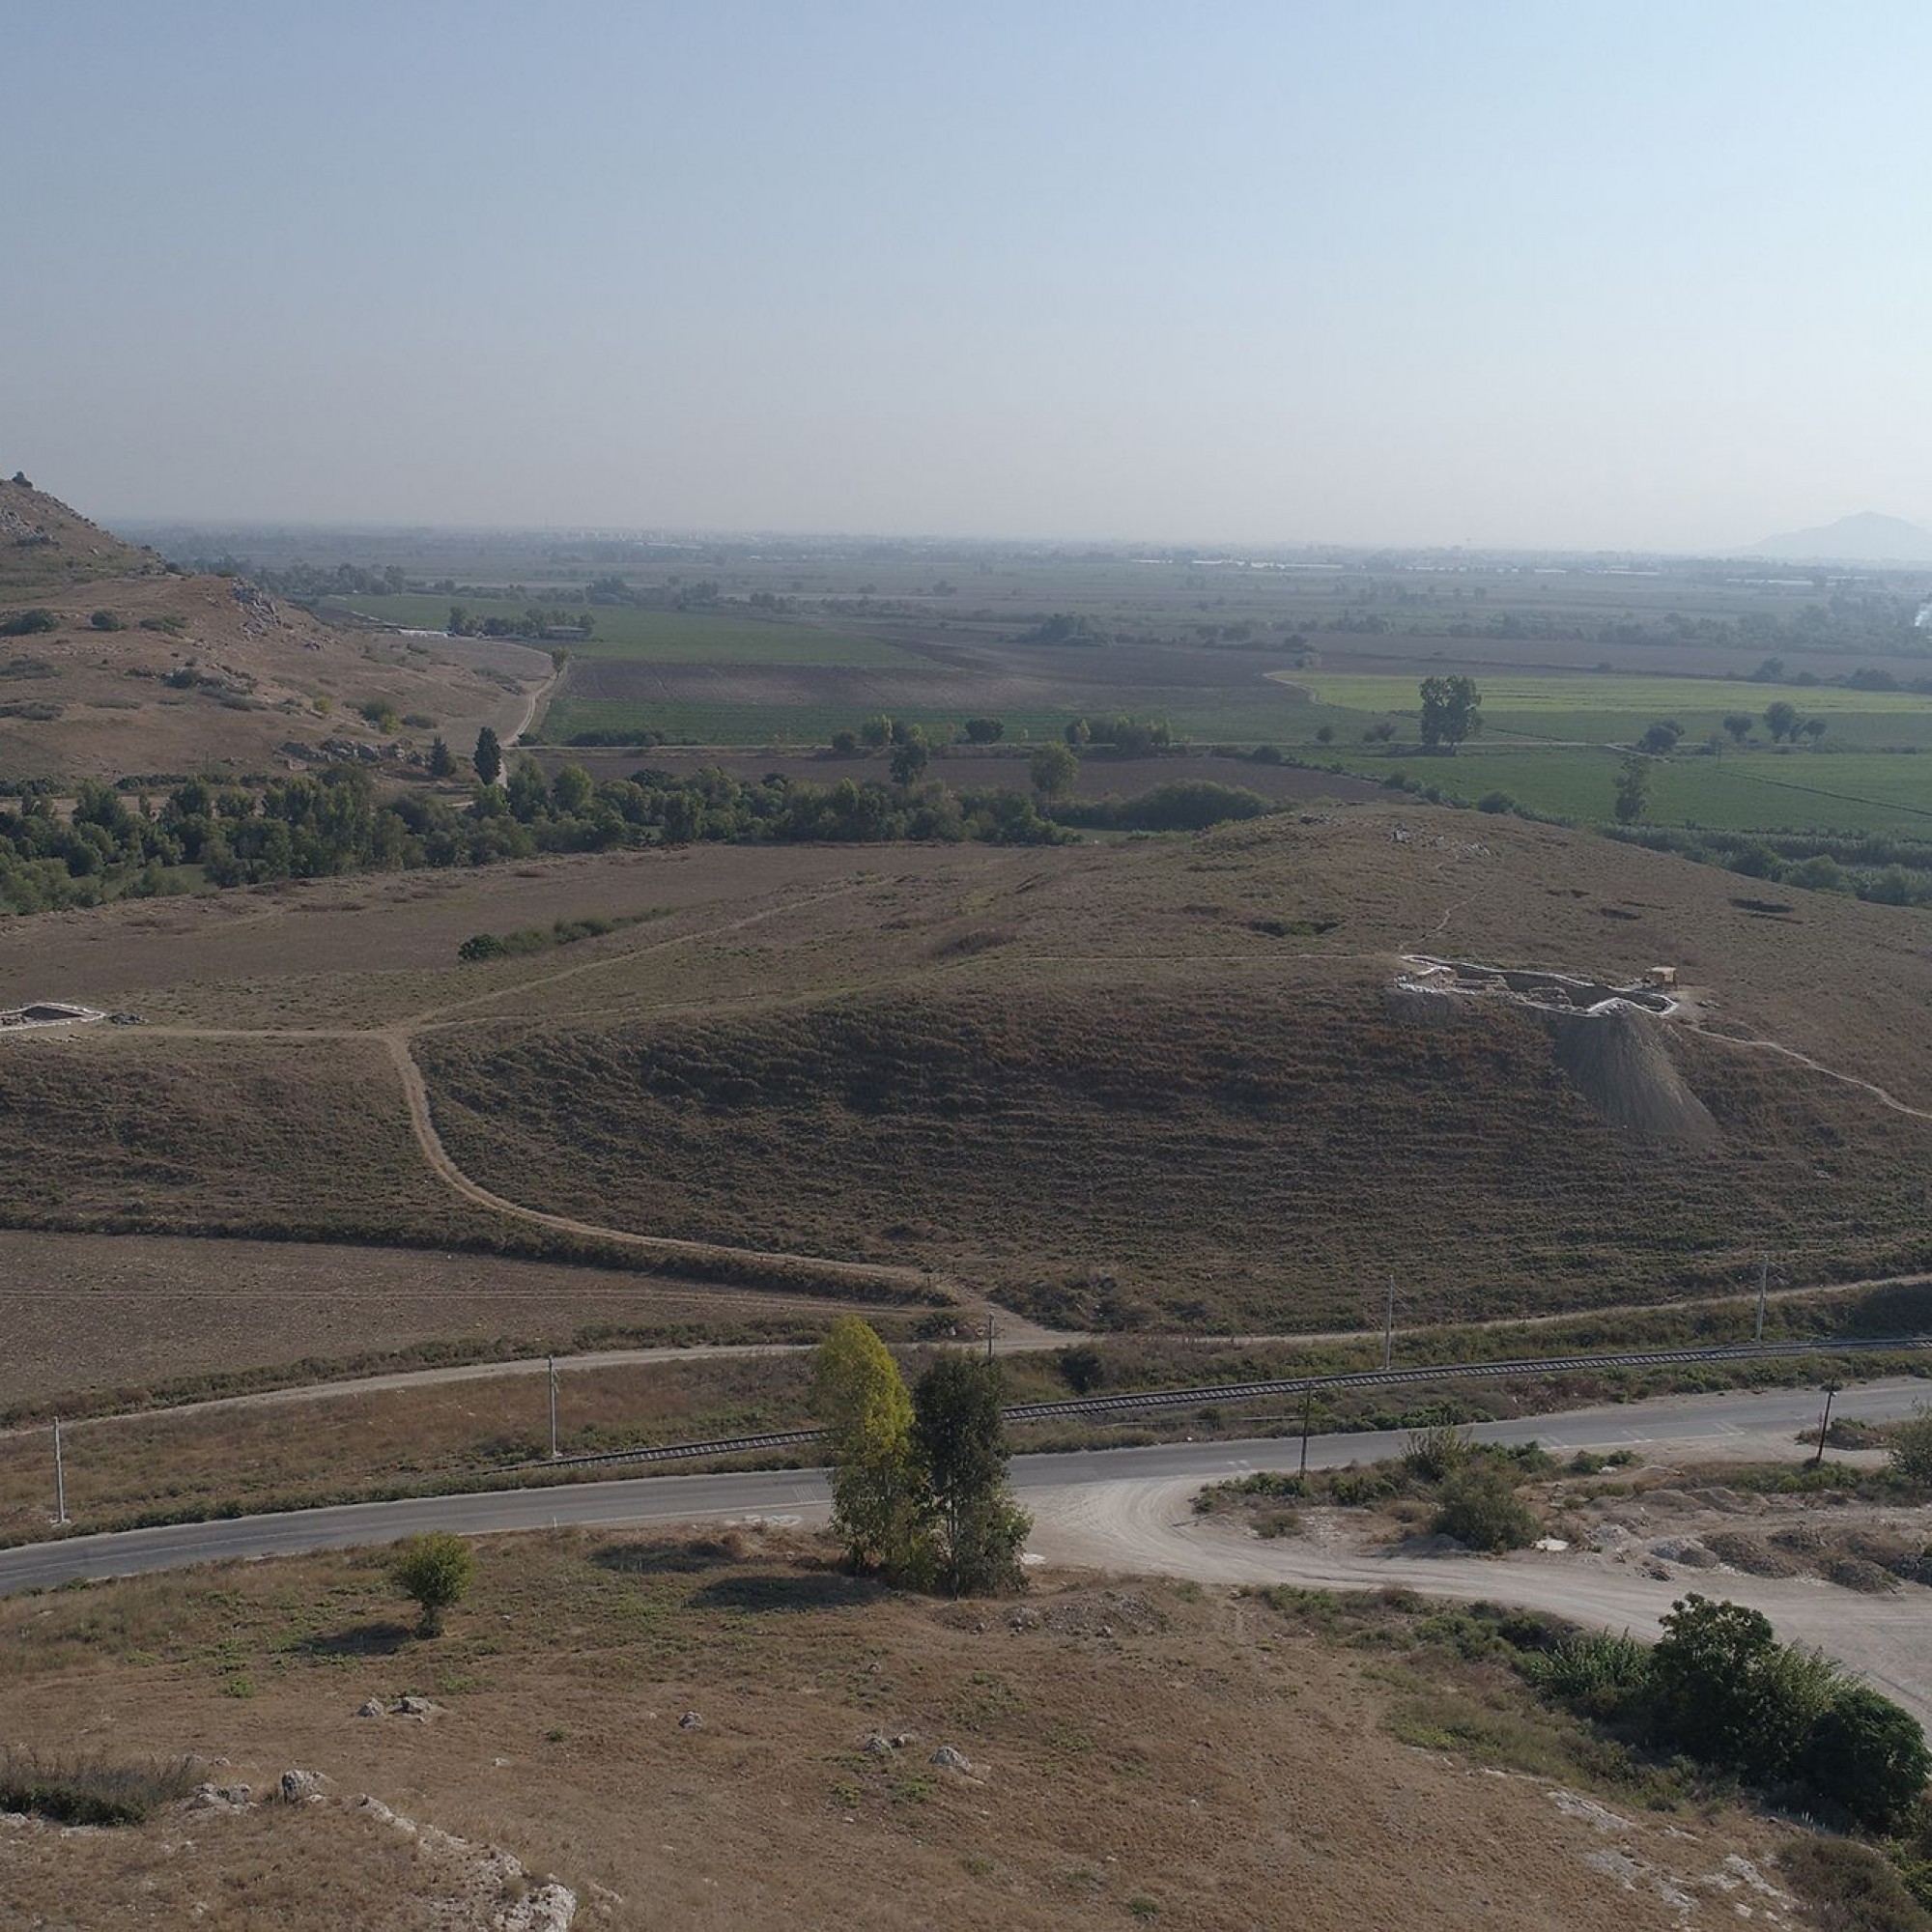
(1219, 547)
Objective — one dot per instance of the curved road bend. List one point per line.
(1719, 1421)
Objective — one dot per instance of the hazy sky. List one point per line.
(1649, 273)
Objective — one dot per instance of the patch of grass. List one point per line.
(1850, 1886)
(75, 1790)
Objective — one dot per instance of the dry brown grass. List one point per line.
(124, 1321)
(1140, 1753)
(268, 671)
(1171, 1066)
(247, 1459)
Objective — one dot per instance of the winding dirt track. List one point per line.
(1877, 1092)
(396, 1039)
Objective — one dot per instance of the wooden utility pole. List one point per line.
(550, 1360)
(1825, 1424)
(60, 1477)
(1763, 1290)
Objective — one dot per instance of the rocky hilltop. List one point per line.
(114, 663)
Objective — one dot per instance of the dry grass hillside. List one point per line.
(147, 673)
(1173, 1081)
(725, 1732)
(44, 546)
(1161, 1081)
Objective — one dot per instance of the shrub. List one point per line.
(27, 623)
(1725, 1690)
(1481, 1509)
(107, 621)
(1083, 1368)
(437, 1570)
(1912, 1449)
(87, 1791)
(1601, 1676)
(1849, 1886)
(1869, 1756)
(1436, 1450)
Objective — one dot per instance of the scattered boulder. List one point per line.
(301, 1787)
(690, 1722)
(949, 1759)
(416, 1707)
(1685, 1550)
(220, 1798)
(373, 1708)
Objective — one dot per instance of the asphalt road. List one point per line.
(670, 1500)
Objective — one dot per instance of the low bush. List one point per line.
(1602, 1677)
(1849, 1886)
(89, 1791)
(1481, 1509)
(1436, 1451)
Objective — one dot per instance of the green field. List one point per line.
(661, 637)
(1739, 791)
(1596, 709)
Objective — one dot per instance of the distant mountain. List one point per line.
(1865, 538)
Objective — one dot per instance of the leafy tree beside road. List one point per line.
(878, 1497)
(488, 758)
(437, 1569)
(962, 1442)
(918, 1487)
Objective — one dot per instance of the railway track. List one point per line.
(1141, 1400)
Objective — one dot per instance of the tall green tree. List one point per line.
(1054, 770)
(440, 764)
(572, 790)
(488, 758)
(1781, 719)
(962, 1442)
(1632, 789)
(910, 754)
(1452, 711)
(878, 1488)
